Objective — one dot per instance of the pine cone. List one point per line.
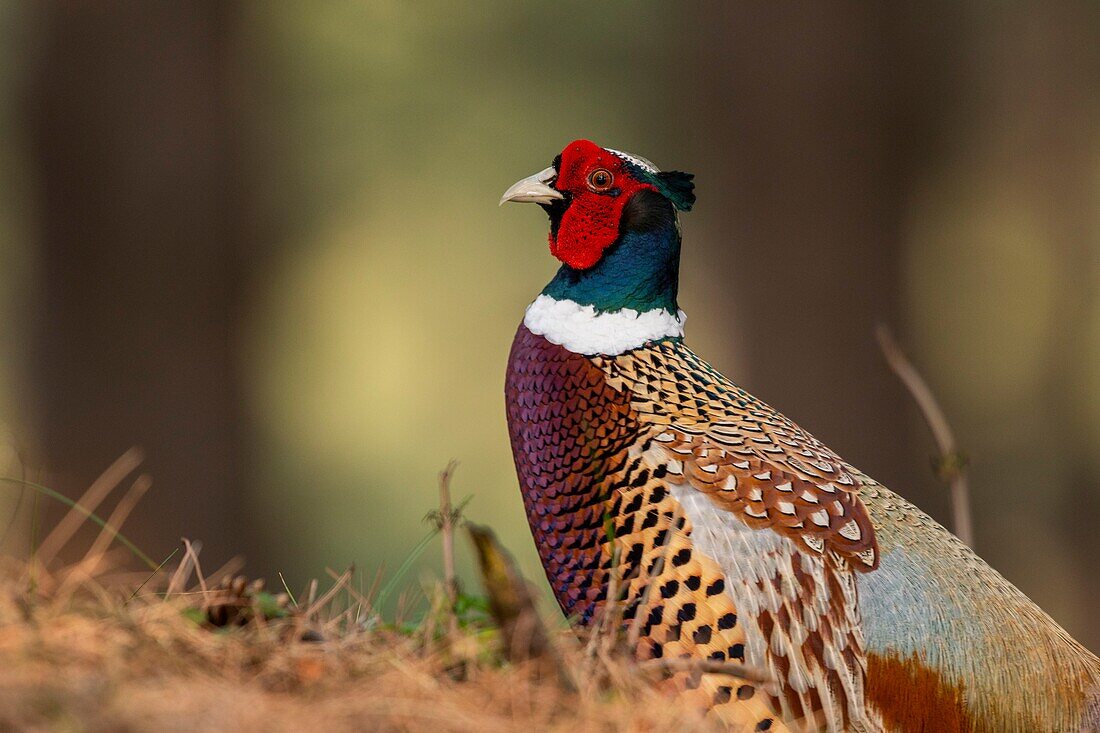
(236, 601)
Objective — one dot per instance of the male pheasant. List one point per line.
(758, 544)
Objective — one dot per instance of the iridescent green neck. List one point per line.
(641, 271)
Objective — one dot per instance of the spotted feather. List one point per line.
(746, 457)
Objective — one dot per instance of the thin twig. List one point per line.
(74, 506)
(192, 550)
(95, 554)
(340, 584)
(182, 575)
(118, 517)
(951, 463)
(358, 596)
(447, 517)
(286, 587)
(339, 578)
(90, 501)
(152, 575)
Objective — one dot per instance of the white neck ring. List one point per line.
(582, 330)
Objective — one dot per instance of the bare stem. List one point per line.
(447, 532)
(951, 464)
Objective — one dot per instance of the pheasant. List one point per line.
(734, 534)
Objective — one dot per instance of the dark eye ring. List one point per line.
(600, 180)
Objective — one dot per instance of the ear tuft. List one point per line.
(678, 187)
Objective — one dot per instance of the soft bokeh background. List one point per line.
(261, 241)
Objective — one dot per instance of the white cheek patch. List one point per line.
(582, 330)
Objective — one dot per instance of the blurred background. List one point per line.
(261, 241)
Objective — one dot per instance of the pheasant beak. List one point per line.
(534, 189)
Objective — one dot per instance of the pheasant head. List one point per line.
(613, 226)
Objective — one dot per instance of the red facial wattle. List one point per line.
(590, 224)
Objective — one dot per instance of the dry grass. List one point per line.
(93, 647)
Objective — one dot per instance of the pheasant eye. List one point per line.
(600, 180)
